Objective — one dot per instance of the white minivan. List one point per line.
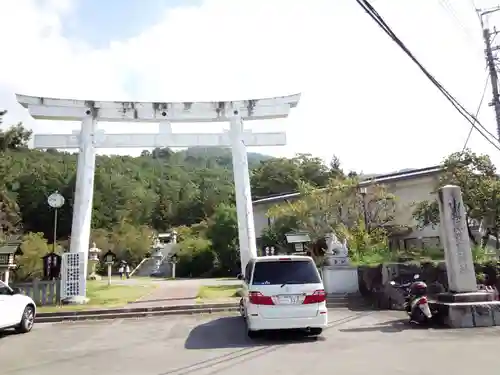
(283, 292)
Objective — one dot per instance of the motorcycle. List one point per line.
(416, 303)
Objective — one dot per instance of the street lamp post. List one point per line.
(56, 201)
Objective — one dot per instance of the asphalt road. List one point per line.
(377, 343)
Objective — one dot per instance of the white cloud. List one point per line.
(362, 98)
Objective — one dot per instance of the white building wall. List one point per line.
(407, 192)
(413, 191)
(260, 218)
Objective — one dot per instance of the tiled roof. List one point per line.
(9, 249)
(384, 178)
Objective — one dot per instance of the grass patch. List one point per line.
(218, 292)
(103, 296)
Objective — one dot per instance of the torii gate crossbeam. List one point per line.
(89, 138)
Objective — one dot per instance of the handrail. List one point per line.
(140, 264)
(142, 261)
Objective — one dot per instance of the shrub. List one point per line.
(366, 247)
(34, 247)
(195, 258)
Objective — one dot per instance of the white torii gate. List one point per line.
(89, 138)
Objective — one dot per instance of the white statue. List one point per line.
(334, 246)
(336, 249)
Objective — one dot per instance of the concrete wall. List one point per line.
(261, 221)
(408, 192)
(343, 279)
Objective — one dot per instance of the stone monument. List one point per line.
(463, 305)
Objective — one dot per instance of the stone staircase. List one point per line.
(343, 300)
(148, 268)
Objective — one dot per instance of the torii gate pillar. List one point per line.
(90, 138)
(243, 194)
(84, 189)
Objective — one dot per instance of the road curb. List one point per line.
(134, 312)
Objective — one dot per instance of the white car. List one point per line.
(283, 292)
(16, 310)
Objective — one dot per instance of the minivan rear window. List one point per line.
(285, 272)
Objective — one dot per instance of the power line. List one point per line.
(448, 8)
(478, 110)
(368, 8)
(473, 3)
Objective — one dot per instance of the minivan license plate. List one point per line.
(288, 300)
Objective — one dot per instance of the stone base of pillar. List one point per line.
(76, 300)
(469, 297)
(467, 310)
(340, 279)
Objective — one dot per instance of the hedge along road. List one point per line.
(356, 343)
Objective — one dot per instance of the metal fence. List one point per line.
(42, 292)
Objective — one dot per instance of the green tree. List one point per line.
(319, 212)
(338, 208)
(136, 196)
(476, 175)
(222, 232)
(195, 258)
(34, 247)
(282, 175)
(130, 243)
(14, 138)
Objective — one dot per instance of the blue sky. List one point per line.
(98, 22)
(362, 98)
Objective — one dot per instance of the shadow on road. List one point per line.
(393, 326)
(7, 332)
(358, 307)
(230, 332)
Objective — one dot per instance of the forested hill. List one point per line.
(214, 156)
(158, 189)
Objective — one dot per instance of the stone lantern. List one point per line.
(8, 253)
(157, 257)
(173, 259)
(94, 260)
(51, 266)
(109, 258)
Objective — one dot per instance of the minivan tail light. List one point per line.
(317, 297)
(257, 298)
(284, 258)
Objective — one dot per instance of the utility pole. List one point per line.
(490, 60)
